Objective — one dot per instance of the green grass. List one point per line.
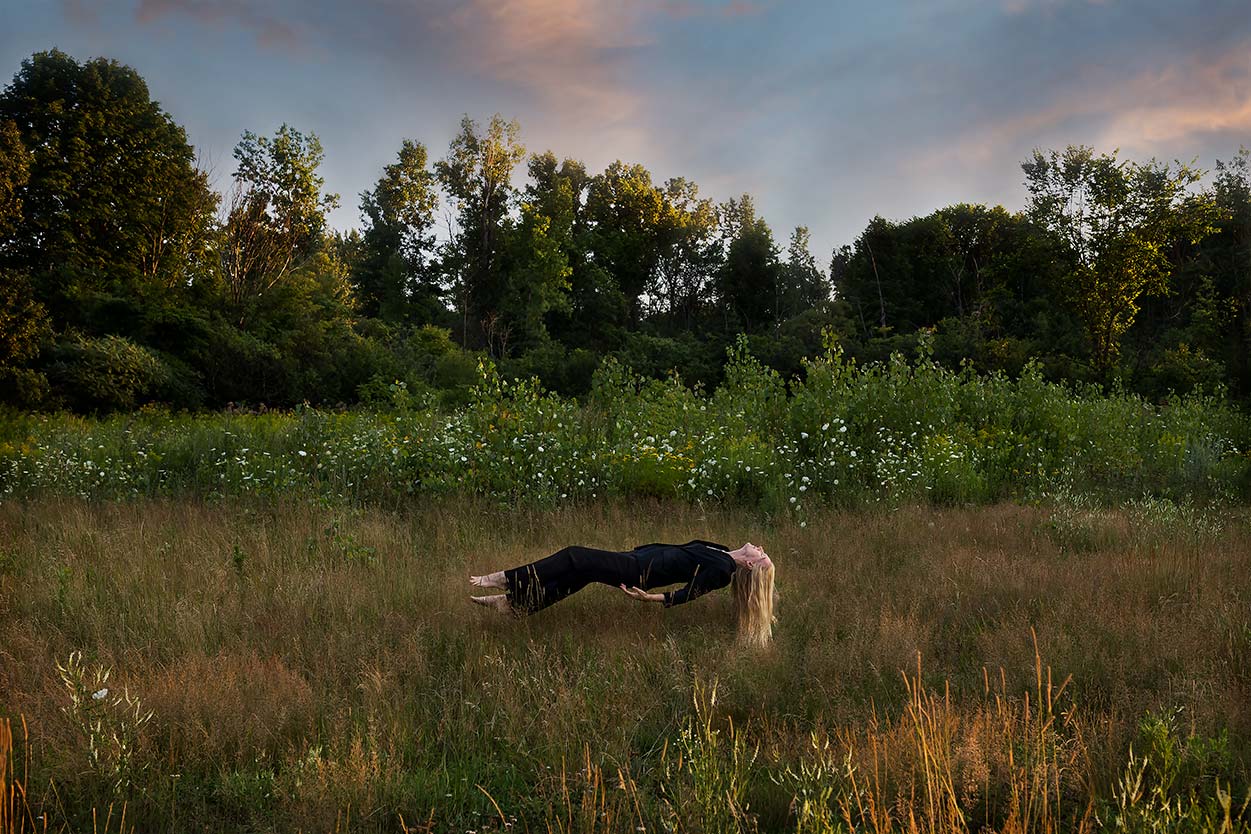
(314, 667)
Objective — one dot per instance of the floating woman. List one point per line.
(703, 566)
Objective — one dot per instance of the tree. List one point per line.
(748, 285)
(628, 213)
(1230, 253)
(395, 279)
(23, 320)
(589, 310)
(1117, 221)
(114, 204)
(14, 174)
(537, 276)
(690, 254)
(802, 284)
(477, 175)
(275, 216)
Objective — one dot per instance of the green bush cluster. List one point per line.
(897, 431)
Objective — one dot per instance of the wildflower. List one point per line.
(803, 435)
(842, 429)
(302, 453)
(826, 427)
(100, 694)
(853, 453)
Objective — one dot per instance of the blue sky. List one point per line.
(826, 112)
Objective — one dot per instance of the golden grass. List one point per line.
(319, 668)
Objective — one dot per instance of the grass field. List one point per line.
(311, 666)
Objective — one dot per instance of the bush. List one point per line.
(106, 374)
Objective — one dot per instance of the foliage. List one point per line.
(114, 202)
(394, 280)
(110, 723)
(844, 433)
(1120, 273)
(476, 176)
(1117, 221)
(275, 216)
(107, 374)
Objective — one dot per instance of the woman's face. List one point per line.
(755, 554)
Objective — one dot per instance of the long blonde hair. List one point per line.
(753, 604)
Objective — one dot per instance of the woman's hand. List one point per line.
(641, 595)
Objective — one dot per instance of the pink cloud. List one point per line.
(569, 54)
(1144, 115)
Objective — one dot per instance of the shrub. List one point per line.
(106, 374)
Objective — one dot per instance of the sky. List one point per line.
(827, 112)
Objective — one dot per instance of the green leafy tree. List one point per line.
(1228, 253)
(23, 320)
(629, 214)
(803, 285)
(748, 286)
(276, 215)
(14, 174)
(689, 256)
(395, 279)
(1117, 221)
(596, 309)
(115, 204)
(537, 273)
(477, 175)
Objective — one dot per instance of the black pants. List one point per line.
(539, 584)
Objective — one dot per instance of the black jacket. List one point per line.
(703, 566)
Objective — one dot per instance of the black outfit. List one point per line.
(703, 566)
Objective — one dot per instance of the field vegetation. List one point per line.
(247, 462)
(280, 665)
(891, 432)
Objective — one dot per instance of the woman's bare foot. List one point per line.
(499, 602)
(490, 580)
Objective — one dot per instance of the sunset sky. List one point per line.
(826, 112)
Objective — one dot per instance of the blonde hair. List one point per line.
(753, 604)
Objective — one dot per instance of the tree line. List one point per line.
(125, 278)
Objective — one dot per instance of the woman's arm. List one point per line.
(701, 583)
(641, 595)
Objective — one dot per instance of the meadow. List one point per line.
(1005, 604)
(281, 666)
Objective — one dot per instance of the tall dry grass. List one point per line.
(314, 667)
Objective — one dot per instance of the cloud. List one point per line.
(569, 54)
(269, 31)
(79, 13)
(568, 61)
(682, 9)
(1151, 113)
(1184, 101)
